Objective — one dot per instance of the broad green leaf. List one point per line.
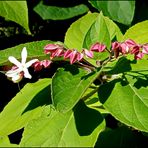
(16, 11)
(121, 137)
(113, 30)
(77, 128)
(98, 32)
(126, 98)
(103, 31)
(138, 32)
(59, 13)
(120, 11)
(34, 49)
(76, 33)
(88, 29)
(25, 106)
(4, 142)
(69, 85)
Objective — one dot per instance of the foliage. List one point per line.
(116, 10)
(15, 11)
(97, 72)
(59, 13)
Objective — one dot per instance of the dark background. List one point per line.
(11, 34)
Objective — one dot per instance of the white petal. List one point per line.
(24, 55)
(12, 73)
(28, 64)
(27, 74)
(14, 61)
(17, 78)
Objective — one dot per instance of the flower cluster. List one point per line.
(129, 47)
(38, 65)
(20, 69)
(73, 55)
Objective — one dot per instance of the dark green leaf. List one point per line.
(120, 11)
(59, 13)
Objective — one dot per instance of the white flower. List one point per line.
(21, 67)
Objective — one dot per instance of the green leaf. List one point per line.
(88, 30)
(59, 13)
(35, 50)
(4, 142)
(120, 11)
(138, 32)
(98, 33)
(25, 106)
(126, 97)
(91, 100)
(121, 137)
(118, 66)
(68, 86)
(77, 128)
(15, 11)
(76, 33)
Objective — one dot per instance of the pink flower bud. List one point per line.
(116, 48)
(98, 47)
(124, 48)
(139, 56)
(73, 57)
(67, 54)
(87, 53)
(135, 50)
(46, 63)
(37, 66)
(80, 56)
(130, 43)
(40, 64)
(145, 49)
(115, 45)
(57, 53)
(51, 48)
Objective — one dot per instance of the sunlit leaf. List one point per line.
(126, 98)
(68, 86)
(16, 11)
(98, 33)
(4, 142)
(138, 32)
(71, 129)
(34, 49)
(25, 106)
(89, 29)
